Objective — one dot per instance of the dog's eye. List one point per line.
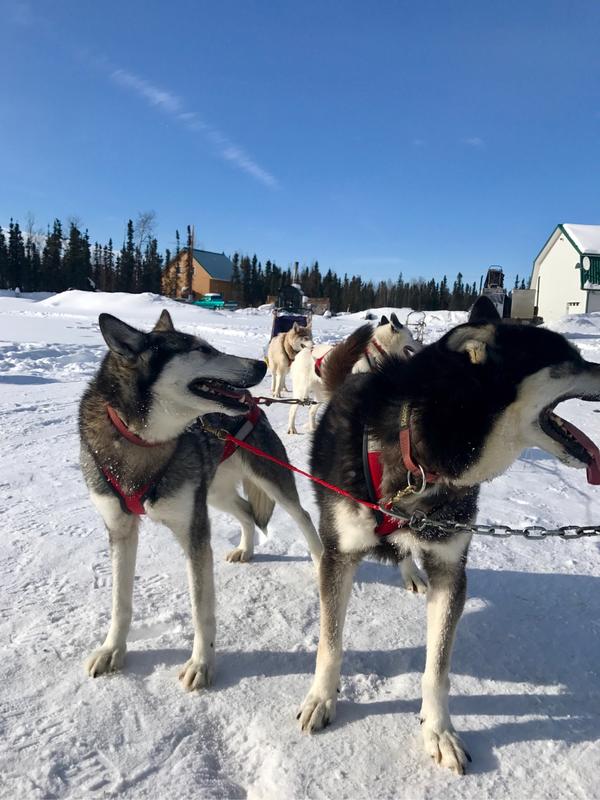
(204, 348)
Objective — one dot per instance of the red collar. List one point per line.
(406, 450)
(372, 364)
(378, 347)
(124, 430)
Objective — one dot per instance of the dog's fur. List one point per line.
(478, 397)
(283, 350)
(394, 339)
(160, 383)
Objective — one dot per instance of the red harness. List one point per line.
(374, 342)
(373, 471)
(133, 503)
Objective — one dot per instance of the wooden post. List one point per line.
(190, 263)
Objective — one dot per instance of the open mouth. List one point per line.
(220, 392)
(574, 441)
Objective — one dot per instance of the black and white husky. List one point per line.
(469, 404)
(143, 451)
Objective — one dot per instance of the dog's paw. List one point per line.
(196, 674)
(239, 555)
(103, 660)
(292, 430)
(446, 749)
(414, 580)
(317, 712)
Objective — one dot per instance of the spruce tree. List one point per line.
(3, 261)
(77, 260)
(127, 262)
(52, 279)
(16, 256)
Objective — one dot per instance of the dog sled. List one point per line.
(289, 310)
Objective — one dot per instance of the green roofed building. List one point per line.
(566, 272)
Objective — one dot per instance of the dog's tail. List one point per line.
(261, 504)
(339, 362)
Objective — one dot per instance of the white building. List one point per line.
(566, 272)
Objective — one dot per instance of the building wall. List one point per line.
(559, 282)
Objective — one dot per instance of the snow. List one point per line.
(586, 237)
(526, 669)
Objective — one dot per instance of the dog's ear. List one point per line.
(295, 327)
(474, 341)
(484, 311)
(121, 338)
(395, 322)
(383, 321)
(164, 323)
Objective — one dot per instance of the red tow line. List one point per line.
(228, 437)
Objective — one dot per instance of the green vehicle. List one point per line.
(215, 300)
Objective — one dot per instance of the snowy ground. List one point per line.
(526, 669)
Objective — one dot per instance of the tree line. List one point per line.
(64, 258)
(253, 283)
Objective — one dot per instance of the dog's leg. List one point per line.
(273, 381)
(280, 382)
(336, 572)
(228, 500)
(292, 418)
(414, 580)
(445, 602)
(285, 493)
(123, 537)
(198, 671)
(312, 415)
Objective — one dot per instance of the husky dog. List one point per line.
(282, 351)
(144, 451)
(469, 403)
(390, 338)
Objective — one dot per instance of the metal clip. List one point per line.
(423, 481)
(220, 433)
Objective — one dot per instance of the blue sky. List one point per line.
(380, 137)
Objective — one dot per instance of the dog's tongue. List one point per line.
(593, 468)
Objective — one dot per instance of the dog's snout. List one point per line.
(254, 372)
(260, 368)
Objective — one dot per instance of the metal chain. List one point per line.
(419, 521)
(290, 401)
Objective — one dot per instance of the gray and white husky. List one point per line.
(470, 403)
(143, 450)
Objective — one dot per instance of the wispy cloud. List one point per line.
(169, 103)
(473, 141)
(152, 94)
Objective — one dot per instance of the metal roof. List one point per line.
(586, 238)
(217, 265)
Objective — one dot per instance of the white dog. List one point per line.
(390, 338)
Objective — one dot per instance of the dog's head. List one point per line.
(299, 337)
(178, 376)
(395, 338)
(516, 375)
